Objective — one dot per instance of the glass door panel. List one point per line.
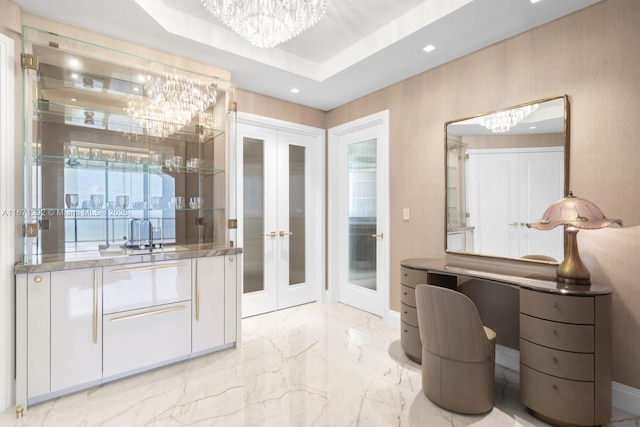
(362, 214)
(297, 217)
(253, 214)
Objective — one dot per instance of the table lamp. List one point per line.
(574, 213)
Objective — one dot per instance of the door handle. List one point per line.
(378, 236)
(271, 234)
(285, 233)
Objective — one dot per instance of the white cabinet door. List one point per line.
(208, 303)
(232, 297)
(76, 327)
(38, 337)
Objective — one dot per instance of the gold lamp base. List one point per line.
(572, 270)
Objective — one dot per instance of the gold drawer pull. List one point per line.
(555, 332)
(147, 267)
(555, 387)
(555, 360)
(37, 279)
(147, 313)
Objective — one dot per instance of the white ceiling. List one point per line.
(360, 46)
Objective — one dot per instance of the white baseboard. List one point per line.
(392, 318)
(626, 398)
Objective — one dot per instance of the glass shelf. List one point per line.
(91, 118)
(122, 166)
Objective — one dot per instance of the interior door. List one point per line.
(359, 232)
(275, 222)
(526, 181)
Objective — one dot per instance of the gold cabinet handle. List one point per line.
(285, 233)
(378, 236)
(37, 279)
(148, 313)
(95, 306)
(147, 267)
(231, 259)
(197, 294)
(271, 234)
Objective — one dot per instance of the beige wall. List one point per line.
(261, 105)
(594, 57)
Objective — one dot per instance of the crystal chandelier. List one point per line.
(502, 121)
(267, 23)
(169, 102)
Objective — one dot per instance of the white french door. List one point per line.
(359, 230)
(281, 217)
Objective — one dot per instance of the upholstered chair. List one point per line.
(458, 352)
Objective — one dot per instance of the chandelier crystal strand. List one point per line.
(267, 23)
(169, 102)
(502, 121)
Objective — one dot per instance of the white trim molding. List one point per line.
(7, 231)
(626, 398)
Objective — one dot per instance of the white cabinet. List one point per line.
(208, 312)
(504, 197)
(76, 327)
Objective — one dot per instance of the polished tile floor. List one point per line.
(313, 365)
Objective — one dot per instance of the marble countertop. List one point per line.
(508, 276)
(92, 259)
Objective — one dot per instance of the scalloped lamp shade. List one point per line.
(575, 213)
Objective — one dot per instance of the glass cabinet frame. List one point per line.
(121, 153)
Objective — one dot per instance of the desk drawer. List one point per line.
(409, 315)
(563, 364)
(408, 295)
(133, 286)
(563, 400)
(568, 309)
(411, 277)
(410, 341)
(561, 336)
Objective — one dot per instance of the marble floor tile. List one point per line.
(312, 365)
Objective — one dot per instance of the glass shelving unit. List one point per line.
(108, 166)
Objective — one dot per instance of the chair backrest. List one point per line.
(450, 325)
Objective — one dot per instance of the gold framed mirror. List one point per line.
(503, 169)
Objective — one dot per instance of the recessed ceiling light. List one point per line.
(141, 78)
(429, 48)
(295, 90)
(74, 63)
(532, 127)
(74, 76)
(135, 89)
(73, 99)
(534, 1)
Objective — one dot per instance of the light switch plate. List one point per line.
(406, 214)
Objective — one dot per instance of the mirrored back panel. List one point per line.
(503, 169)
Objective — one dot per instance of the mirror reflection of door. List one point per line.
(277, 227)
(359, 194)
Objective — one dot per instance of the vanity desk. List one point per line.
(564, 338)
